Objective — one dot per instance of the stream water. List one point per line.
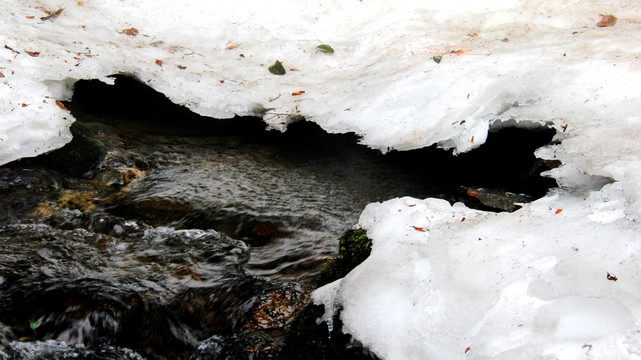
(161, 230)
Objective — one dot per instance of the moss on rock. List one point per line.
(354, 248)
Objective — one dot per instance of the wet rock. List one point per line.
(354, 247)
(310, 339)
(58, 350)
(78, 158)
(493, 199)
(263, 335)
(158, 291)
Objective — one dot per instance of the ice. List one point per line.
(531, 284)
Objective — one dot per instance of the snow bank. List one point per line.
(536, 284)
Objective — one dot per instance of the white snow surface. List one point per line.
(525, 285)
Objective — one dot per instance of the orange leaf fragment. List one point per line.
(607, 20)
(467, 349)
(419, 229)
(231, 47)
(472, 193)
(33, 53)
(131, 31)
(159, 62)
(23, 105)
(30, 17)
(61, 105)
(558, 211)
(1, 74)
(301, 92)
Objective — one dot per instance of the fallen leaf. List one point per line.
(612, 277)
(159, 62)
(80, 3)
(437, 58)
(472, 193)
(301, 92)
(1, 74)
(131, 31)
(24, 105)
(558, 211)
(52, 15)
(607, 20)
(419, 229)
(231, 47)
(33, 53)
(325, 48)
(412, 205)
(182, 67)
(277, 68)
(61, 105)
(467, 349)
(30, 17)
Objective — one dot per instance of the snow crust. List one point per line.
(531, 284)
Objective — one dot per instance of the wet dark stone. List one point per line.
(263, 334)
(58, 350)
(89, 289)
(310, 340)
(353, 248)
(78, 158)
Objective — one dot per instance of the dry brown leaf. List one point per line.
(131, 31)
(607, 20)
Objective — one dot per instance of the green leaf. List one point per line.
(277, 68)
(325, 48)
(437, 58)
(33, 324)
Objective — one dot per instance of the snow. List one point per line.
(530, 284)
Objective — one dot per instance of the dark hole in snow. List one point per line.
(506, 162)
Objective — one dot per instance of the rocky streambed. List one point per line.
(159, 234)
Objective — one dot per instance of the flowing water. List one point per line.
(179, 227)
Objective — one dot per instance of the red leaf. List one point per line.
(419, 229)
(1, 74)
(472, 193)
(131, 31)
(33, 53)
(159, 62)
(24, 105)
(61, 105)
(558, 211)
(301, 92)
(411, 205)
(467, 349)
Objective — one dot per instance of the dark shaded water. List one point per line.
(157, 229)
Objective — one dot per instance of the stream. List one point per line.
(160, 234)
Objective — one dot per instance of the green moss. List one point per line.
(353, 248)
